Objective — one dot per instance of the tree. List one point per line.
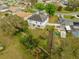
(40, 6)
(59, 8)
(50, 9)
(12, 24)
(72, 5)
(50, 41)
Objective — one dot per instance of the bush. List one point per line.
(40, 6)
(29, 42)
(59, 8)
(69, 8)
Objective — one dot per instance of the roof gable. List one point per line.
(41, 17)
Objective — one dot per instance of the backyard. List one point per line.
(53, 19)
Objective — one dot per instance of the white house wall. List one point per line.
(37, 23)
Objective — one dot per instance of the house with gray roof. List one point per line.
(38, 20)
(65, 21)
(3, 8)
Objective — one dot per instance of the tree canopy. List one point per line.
(12, 24)
(50, 9)
(40, 6)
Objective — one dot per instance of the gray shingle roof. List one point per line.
(3, 7)
(65, 22)
(41, 17)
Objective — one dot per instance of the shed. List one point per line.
(68, 28)
(63, 34)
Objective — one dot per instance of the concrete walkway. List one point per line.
(53, 24)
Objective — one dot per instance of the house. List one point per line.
(68, 28)
(76, 25)
(65, 21)
(3, 8)
(60, 28)
(64, 2)
(38, 20)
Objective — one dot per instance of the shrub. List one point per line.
(69, 8)
(29, 42)
(40, 6)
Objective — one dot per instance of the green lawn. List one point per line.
(53, 19)
(73, 18)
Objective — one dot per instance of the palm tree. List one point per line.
(50, 41)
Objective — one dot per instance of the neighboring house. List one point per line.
(3, 8)
(60, 28)
(62, 31)
(76, 25)
(64, 2)
(12, 2)
(38, 20)
(65, 21)
(68, 28)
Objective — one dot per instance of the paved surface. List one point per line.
(73, 13)
(53, 24)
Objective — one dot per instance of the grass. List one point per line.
(53, 19)
(65, 11)
(73, 18)
(78, 9)
(13, 48)
(41, 34)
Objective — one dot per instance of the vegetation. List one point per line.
(24, 43)
(29, 42)
(53, 19)
(40, 6)
(59, 8)
(72, 18)
(12, 24)
(50, 9)
(72, 5)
